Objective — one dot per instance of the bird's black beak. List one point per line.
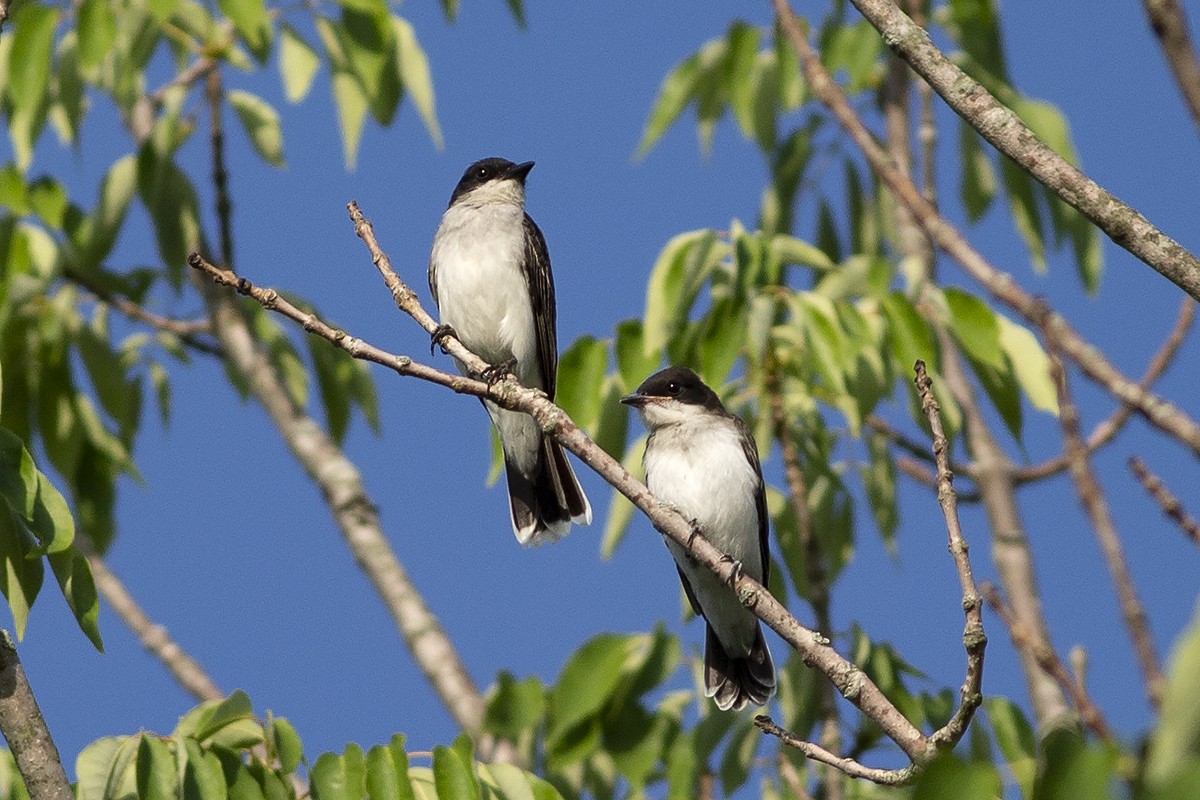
(636, 400)
(520, 171)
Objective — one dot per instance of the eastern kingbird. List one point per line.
(702, 461)
(490, 276)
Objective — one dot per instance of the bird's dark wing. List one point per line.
(760, 499)
(541, 294)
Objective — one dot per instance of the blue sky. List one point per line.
(230, 547)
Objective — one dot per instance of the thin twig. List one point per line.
(1091, 497)
(187, 330)
(1026, 640)
(813, 751)
(1007, 133)
(1107, 430)
(1159, 412)
(854, 685)
(155, 638)
(25, 730)
(356, 515)
(1167, 501)
(1170, 25)
(818, 577)
(974, 639)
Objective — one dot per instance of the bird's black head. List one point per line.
(679, 384)
(490, 169)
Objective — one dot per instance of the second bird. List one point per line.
(490, 276)
(702, 461)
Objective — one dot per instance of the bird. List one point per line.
(702, 461)
(489, 271)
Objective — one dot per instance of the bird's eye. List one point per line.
(674, 388)
(483, 173)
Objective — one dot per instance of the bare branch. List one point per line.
(1012, 137)
(974, 639)
(852, 682)
(1001, 285)
(1091, 496)
(187, 330)
(1107, 430)
(1170, 25)
(886, 777)
(1026, 640)
(155, 638)
(25, 730)
(1167, 501)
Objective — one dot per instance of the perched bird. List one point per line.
(702, 461)
(490, 276)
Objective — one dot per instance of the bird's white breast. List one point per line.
(702, 471)
(482, 292)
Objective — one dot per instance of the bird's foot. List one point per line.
(439, 333)
(735, 571)
(497, 372)
(695, 532)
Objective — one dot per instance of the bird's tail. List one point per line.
(734, 682)
(544, 507)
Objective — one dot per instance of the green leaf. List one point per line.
(674, 281)
(1016, 740)
(452, 776)
(951, 778)
(1072, 769)
(613, 425)
(96, 26)
(586, 682)
(174, 209)
(743, 49)
(105, 769)
(328, 780)
(879, 479)
(673, 97)
(722, 334)
(298, 63)
(976, 327)
(155, 769)
(32, 32)
(352, 113)
(1176, 740)
(74, 578)
(370, 47)
(634, 364)
(1022, 203)
(513, 706)
(1030, 364)
(415, 77)
(253, 24)
(977, 23)
(286, 743)
(20, 576)
(738, 756)
(100, 231)
(978, 186)
(581, 371)
(261, 122)
(386, 769)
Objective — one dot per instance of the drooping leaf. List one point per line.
(298, 63)
(951, 778)
(975, 326)
(452, 775)
(261, 123)
(154, 769)
(673, 97)
(743, 48)
(620, 510)
(1030, 364)
(253, 24)
(32, 32)
(1015, 737)
(586, 682)
(415, 76)
(96, 26)
(581, 371)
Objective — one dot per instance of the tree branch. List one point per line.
(1026, 640)
(1091, 496)
(25, 730)
(342, 486)
(155, 638)
(1001, 285)
(1012, 137)
(886, 777)
(974, 639)
(1107, 430)
(1170, 25)
(852, 682)
(1167, 501)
